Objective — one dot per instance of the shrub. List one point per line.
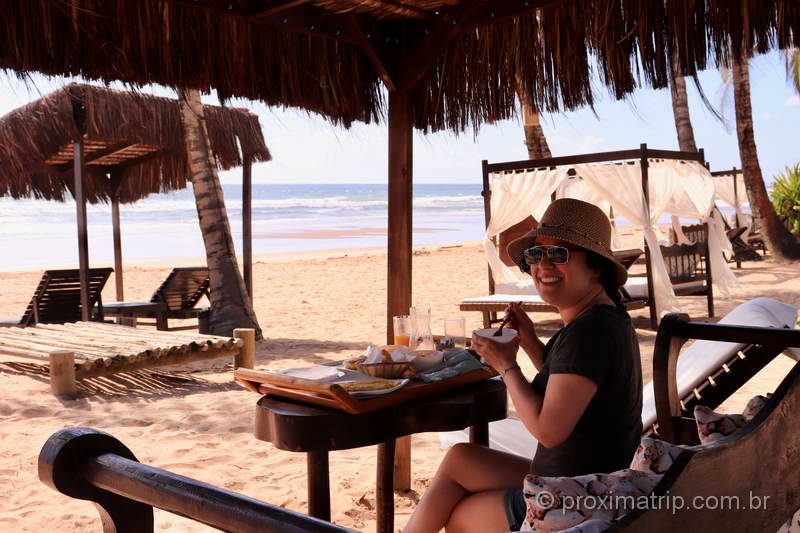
(786, 197)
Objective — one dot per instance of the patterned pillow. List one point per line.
(712, 426)
(586, 503)
(655, 456)
(792, 525)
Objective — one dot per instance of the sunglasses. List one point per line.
(558, 255)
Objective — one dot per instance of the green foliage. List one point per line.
(786, 197)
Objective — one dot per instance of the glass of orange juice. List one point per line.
(402, 329)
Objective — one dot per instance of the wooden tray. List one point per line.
(334, 396)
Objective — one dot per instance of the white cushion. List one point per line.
(505, 299)
(703, 357)
(637, 287)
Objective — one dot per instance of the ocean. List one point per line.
(36, 234)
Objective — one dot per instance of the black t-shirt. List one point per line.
(600, 344)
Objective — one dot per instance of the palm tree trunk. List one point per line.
(680, 109)
(780, 242)
(534, 135)
(230, 306)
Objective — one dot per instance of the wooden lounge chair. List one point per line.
(57, 298)
(757, 462)
(493, 304)
(742, 251)
(83, 463)
(175, 298)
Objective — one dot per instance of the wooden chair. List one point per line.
(175, 298)
(57, 298)
(85, 463)
(758, 461)
(689, 266)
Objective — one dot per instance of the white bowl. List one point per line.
(425, 359)
(505, 336)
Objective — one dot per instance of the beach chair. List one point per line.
(756, 462)
(176, 298)
(708, 372)
(493, 304)
(57, 298)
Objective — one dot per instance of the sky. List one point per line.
(308, 149)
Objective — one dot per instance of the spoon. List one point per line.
(499, 331)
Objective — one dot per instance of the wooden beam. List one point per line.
(651, 293)
(247, 227)
(95, 156)
(375, 52)
(399, 240)
(274, 8)
(83, 239)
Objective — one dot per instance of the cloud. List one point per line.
(792, 101)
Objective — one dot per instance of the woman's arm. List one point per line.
(528, 340)
(551, 419)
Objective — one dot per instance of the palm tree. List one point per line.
(230, 304)
(793, 67)
(680, 110)
(780, 242)
(534, 135)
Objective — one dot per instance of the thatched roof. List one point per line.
(460, 58)
(135, 138)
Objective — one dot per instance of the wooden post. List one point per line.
(651, 293)
(117, 249)
(83, 239)
(62, 374)
(384, 495)
(247, 227)
(319, 485)
(735, 198)
(399, 241)
(246, 358)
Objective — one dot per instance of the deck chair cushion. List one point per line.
(561, 503)
(655, 456)
(712, 426)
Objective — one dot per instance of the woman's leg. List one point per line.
(467, 469)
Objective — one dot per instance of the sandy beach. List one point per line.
(312, 307)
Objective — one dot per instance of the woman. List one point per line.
(584, 405)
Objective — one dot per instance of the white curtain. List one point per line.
(515, 196)
(621, 184)
(723, 186)
(575, 187)
(692, 196)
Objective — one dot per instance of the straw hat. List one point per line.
(574, 222)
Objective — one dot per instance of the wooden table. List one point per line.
(298, 427)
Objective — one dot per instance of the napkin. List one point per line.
(373, 355)
(455, 363)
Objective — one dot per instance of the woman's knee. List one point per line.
(461, 455)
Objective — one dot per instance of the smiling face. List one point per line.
(564, 285)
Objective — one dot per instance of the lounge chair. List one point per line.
(749, 471)
(175, 298)
(688, 269)
(493, 304)
(57, 298)
(708, 372)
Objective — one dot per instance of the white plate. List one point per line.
(380, 392)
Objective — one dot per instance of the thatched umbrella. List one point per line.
(107, 146)
(447, 64)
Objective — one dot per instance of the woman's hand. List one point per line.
(520, 321)
(499, 355)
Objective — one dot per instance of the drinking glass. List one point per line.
(402, 329)
(455, 332)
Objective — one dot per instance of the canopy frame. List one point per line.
(642, 154)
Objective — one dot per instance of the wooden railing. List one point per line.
(88, 464)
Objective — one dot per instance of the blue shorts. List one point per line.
(516, 509)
